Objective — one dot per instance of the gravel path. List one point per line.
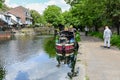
(99, 63)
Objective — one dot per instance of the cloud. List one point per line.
(7, 2)
(61, 3)
(40, 7)
(37, 6)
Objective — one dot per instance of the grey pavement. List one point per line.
(98, 63)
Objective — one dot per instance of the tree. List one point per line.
(112, 13)
(93, 11)
(53, 15)
(37, 18)
(87, 12)
(1, 3)
(67, 15)
(72, 2)
(96, 12)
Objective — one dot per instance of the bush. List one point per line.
(96, 34)
(77, 37)
(115, 40)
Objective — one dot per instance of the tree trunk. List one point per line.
(96, 28)
(116, 22)
(118, 29)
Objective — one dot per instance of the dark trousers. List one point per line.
(86, 33)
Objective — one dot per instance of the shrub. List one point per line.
(77, 37)
(96, 34)
(115, 40)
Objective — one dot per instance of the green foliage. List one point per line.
(86, 78)
(77, 37)
(71, 2)
(1, 3)
(67, 15)
(112, 8)
(115, 40)
(96, 34)
(88, 12)
(4, 8)
(95, 12)
(2, 73)
(49, 46)
(37, 18)
(53, 15)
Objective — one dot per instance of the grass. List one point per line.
(86, 78)
(78, 60)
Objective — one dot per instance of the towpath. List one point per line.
(97, 62)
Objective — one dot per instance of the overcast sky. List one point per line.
(38, 5)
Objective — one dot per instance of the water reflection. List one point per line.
(2, 73)
(22, 76)
(25, 59)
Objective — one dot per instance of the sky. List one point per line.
(38, 5)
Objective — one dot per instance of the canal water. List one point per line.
(24, 58)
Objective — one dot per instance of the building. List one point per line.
(15, 20)
(15, 17)
(5, 20)
(8, 20)
(23, 14)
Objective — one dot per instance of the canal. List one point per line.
(24, 58)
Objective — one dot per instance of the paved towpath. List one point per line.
(99, 63)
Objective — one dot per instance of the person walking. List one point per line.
(86, 31)
(107, 35)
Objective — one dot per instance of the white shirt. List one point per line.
(107, 33)
(86, 29)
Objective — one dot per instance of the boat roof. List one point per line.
(67, 34)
